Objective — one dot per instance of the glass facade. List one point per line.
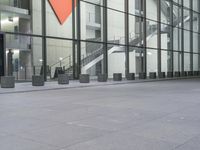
(99, 37)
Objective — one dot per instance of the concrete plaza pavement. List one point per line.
(162, 115)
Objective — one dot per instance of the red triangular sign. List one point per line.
(62, 9)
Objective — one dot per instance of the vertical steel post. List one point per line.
(159, 36)
(105, 38)
(44, 49)
(126, 20)
(78, 28)
(191, 35)
(144, 68)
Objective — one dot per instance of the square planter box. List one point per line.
(84, 78)
(152, 75)
(142, 75)
(162, 75)
(177, 74)
(102, 78)
(196, 73)
(190, 73)
(170, 74)
(184, 74)
(8, 82)
(117, 77)
(37, 81)
(130, 76)
(63, 79)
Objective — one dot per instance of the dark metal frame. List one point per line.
(191, 35)
(126, 4)
(44, 47)
(159, 36)
(182, 37)
(105, 38)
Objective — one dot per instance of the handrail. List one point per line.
(60, 60)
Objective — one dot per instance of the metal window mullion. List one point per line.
(198, 34)
(144, 37)
(126, 2)
(171, 37)
(105, 38)
(44, 48)
(159, 36)
(78, 29)
(191, 35)
(74, 42)
(182, 37)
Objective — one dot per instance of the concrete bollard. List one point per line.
(7, 82)
(152, 75)
(184, 74)
(84, 78)
(190, 73)
(162, 75)
(130, 76)
(196, 73)
(177, 74)
(102, 78)
(170, 74)
(117, 77)
(63, 79)
(37, 81)
(142, 75)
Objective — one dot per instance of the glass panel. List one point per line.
(152, 61)
(25, 56)
(59, 56)
(116, 60)
(91, 58)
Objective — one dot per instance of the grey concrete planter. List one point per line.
(37, 81)
(117, 77)
(8, 82)
(130, 76)
(190, 73)
(177, 74)
(102, 78)
(162, 75)
(170, 74)
(84, 78)
(142, 75)
(184, 74)
(63, 79)
(196, 73)
(152, 75)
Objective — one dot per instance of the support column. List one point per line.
(144, 37)
(171, 44)
(78, 28)
(105, 38)
(159, 36)
(191, 35)
(44, 48)
(198, 2)
(182, 37)
(126, 2)
(74, 42)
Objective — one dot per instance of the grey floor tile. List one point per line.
(21, 124)
(63, 135)
(123, 141)
(17, 143)
(192, 144)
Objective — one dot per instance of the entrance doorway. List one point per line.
(2, 50)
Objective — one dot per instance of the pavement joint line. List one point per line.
(99, 85)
